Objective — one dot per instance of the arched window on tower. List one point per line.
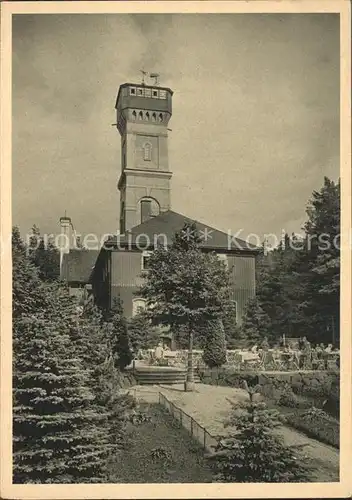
(134, 115)
(160, 117)
(154, 117)
(147, 116)
(147, 151)
(149, 208)
(140, 115)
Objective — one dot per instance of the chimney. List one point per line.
(65, 239)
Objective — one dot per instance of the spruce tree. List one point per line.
(58, 435)
(27, 290)
(62, 422)
(44, 255)
(254, 453)
(256, 323)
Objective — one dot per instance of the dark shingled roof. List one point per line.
(78, 265)
(168, 223)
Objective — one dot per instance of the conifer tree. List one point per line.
(61, 419)
(27, 292)
(58, 435)
(44, 255)
(254, 452)
(120, 344)
(214, 354)
(256, 322)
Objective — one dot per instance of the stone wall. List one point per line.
(317, 386)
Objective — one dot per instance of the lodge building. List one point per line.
(143, 113)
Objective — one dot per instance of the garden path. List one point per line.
(210, 406)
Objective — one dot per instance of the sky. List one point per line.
(255, 125)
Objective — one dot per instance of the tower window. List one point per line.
(132, 91)
(147, 116)
(140, 92)
(162, 94)
(147, 151)
(154, 117)
(149, 208)
(155, 93)
(147, 92)
(160, 117)
(134, 115)
(140, 115)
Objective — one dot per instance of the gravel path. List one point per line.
(210, 406)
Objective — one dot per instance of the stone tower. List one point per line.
(143, 113)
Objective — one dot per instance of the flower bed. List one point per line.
(317, 424)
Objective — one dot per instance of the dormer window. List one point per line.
(147, 151)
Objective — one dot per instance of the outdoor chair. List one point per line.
(273, 361)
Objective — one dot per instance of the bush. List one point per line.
(215, 345)
(288, 399)
(254, 453)
(317, 424)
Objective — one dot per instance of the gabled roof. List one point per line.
(164, 226)
(78, 265)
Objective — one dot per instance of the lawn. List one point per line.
(159, 452)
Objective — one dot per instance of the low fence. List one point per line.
(144, 396)
(197, 431)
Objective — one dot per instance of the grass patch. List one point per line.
(159, 451)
